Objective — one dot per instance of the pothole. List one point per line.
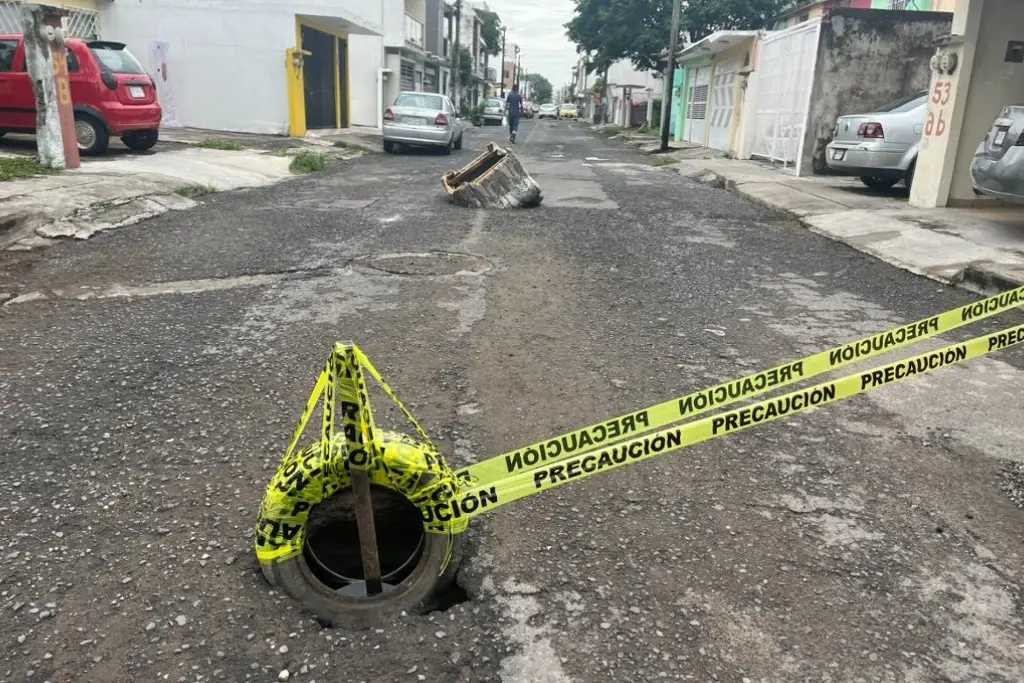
(426, 263)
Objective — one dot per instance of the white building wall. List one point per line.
(225, 59)
(365, 60)
(623, 72)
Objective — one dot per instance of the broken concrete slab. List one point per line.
(112, 193)
(494, 180)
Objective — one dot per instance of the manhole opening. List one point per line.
(331, 548)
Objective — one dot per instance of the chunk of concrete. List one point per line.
(494, 180)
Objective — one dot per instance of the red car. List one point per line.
(111, 93)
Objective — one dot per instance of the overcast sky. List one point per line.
(538, 27)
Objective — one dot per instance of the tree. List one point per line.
(541, 87)
(465, 67)
(490, 31)
(609, 30)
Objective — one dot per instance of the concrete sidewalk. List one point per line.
(979, 248)
(112, 192)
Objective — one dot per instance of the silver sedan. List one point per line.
(422, 119)
(881, 147)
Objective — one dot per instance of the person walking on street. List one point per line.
(513, 108)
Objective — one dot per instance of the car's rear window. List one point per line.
(419, 101)
(904, 104)
(117, 61)
(493, 103)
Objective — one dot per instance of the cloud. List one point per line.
(538, 27)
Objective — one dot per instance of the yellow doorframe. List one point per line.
(297, 110)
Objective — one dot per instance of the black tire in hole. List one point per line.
(326, 578)
(332, 539)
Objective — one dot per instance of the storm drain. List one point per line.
(426, 264)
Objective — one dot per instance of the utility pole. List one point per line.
(456, 58)
(503, 29)
(670, 74)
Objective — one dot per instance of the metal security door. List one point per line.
(697, 105)
(723, 101)
(785, 72)
(318, 78)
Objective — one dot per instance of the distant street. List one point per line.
(150, 388)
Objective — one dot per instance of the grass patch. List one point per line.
(227, 145)
(665, 161)
(23, 167)
(194, 190)
(350, 146)
(610, 131)
(308, 161)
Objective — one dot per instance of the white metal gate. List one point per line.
(785, 72)
(697, 105)
(79, 23)
(723, 101)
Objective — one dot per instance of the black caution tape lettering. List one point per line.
(1014, 297)
(579, 440)
(905, 369)
(747, 386)
(467, 504)
(1004, 339)
(592, 463)
(884, 341)
(772, 409)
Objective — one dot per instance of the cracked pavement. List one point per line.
(151, 376)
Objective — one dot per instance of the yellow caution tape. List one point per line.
(560, 448)
(315, 473)
(485, 497)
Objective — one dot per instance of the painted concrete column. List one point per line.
(943, 145)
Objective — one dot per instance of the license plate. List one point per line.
(412, 121)
(1000, 136)
(838, 154)
(137, 91)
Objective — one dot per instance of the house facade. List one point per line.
(806, 11)
(629, 92)
(776, 95)
(268, 66)
(405, 47)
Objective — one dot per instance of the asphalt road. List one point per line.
(149, 390)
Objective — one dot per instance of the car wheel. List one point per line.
(92, 135)
(141, 140)
(447, 149)
(909, 180)
(389, 147)
(458, 143)
(876, 183)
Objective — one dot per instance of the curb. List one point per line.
(973, 278)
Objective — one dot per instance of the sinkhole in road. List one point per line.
(332, 551)
(425, 263)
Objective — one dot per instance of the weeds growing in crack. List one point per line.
(193, 190)
(227, 145)
(308, 161)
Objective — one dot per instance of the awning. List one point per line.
(719, 41)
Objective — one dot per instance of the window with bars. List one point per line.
(79, 23)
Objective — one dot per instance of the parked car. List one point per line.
(569, 111)
(880, 147)
(110, 92)
(547, 111)
(527, 111)
(998, 166)
(494, 110)
(422, 119)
